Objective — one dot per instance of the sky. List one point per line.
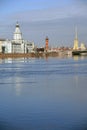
(56, 19)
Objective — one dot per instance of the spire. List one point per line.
(76, 40)
(76, 35)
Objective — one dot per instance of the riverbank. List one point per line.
(26, 55)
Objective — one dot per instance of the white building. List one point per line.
(7, 46)
(17, 42)
(17, 45)
(1, 43)
(29, 47)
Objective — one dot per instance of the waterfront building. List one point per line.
(17, 42)
(40, 50)
(29, 47)
(1, 43)
(76, 41)
(7, 46)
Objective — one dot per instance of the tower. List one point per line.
(17, 37)
(75, 41)
(46, 43)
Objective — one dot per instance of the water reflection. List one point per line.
(6, 126)
(76, 57)
(18, 86)
(76, 81)
(13, 60)
(41, 95)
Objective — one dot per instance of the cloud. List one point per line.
(73, 9)
(80, 3)
(48, 14)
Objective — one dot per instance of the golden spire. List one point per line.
(76, 40)
(76, 35)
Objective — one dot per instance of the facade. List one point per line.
(1, 43)
(17, 42)
(29, 47)
(7, 46)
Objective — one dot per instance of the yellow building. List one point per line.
(76, 47)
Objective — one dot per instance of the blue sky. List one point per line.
(40, 18)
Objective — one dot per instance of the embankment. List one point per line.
(26, 55)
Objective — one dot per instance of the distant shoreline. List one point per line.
(40, 54)
(26, 55)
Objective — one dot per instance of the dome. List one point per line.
(17, 34)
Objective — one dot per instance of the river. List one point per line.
(43, 94)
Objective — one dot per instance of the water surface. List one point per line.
(43, 94)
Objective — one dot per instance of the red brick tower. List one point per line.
(46, 43)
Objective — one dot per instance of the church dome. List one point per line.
(17, 34)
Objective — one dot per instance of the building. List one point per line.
(29, 47)
(83, 47)
(76, 47)
(17, 45)
(7, 46)
(17, 42)
(1, 43)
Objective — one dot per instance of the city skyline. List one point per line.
(38, 19)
